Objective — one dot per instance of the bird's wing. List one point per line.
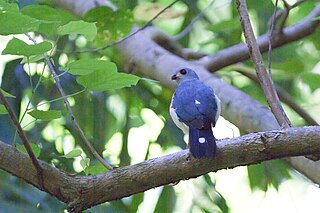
(195, 104)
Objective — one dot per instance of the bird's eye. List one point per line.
(183, 71)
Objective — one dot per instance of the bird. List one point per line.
(195, 109)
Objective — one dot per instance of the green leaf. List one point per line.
(47, 14)
(112, 25)
(3, 110)
(88, 30)
(257, 177)
(85, 162)
(72, 154)
(167, 200)
(6, 94)
(51, 18)
(95, 169)
(312, 80)
(35, 148)
(87, 66)
(101, 80)
(10, 7)
(45, 115)
(18, 47)
(16, 23)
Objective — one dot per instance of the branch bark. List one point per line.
(82, 192)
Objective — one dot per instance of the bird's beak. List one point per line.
(174, 77)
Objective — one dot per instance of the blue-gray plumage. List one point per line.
(195, 109)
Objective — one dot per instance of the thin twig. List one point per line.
(265, 81)
(283, 94)
(284, 14)
(270, 37)
(73, 118)
(24, 140)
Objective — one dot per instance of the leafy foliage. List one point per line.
(17, 47)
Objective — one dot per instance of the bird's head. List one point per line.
(184, 74)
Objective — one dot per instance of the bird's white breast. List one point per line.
(178, 123)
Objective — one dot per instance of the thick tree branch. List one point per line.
(239, 52)
(265, 80)
(82, 192)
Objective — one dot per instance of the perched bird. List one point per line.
(195, 109)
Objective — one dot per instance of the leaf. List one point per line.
(85, 162)
(51, 18)
(16, 23)
(6, 94)
(35, 149)
(87, 66)
(45, 115)
(101, 80)
(257, 177)
(10, 7)
(17, 47)
(88, 30)
(167, 200)
(72, 154)
(312, 80)
(112, 25)
(3, 110)
(47, 14)
(95, 169)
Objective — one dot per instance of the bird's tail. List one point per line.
(202, 143)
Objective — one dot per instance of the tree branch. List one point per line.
(82, 192)
(265, 80)
(239, 52)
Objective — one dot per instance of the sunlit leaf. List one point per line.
(101, 80)
(88, 30)
(45, 115)
(87, 66)
(51, 18)
(17, 47)
(3, 110)
(16, 23)
(35, 148)
(72, 154)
